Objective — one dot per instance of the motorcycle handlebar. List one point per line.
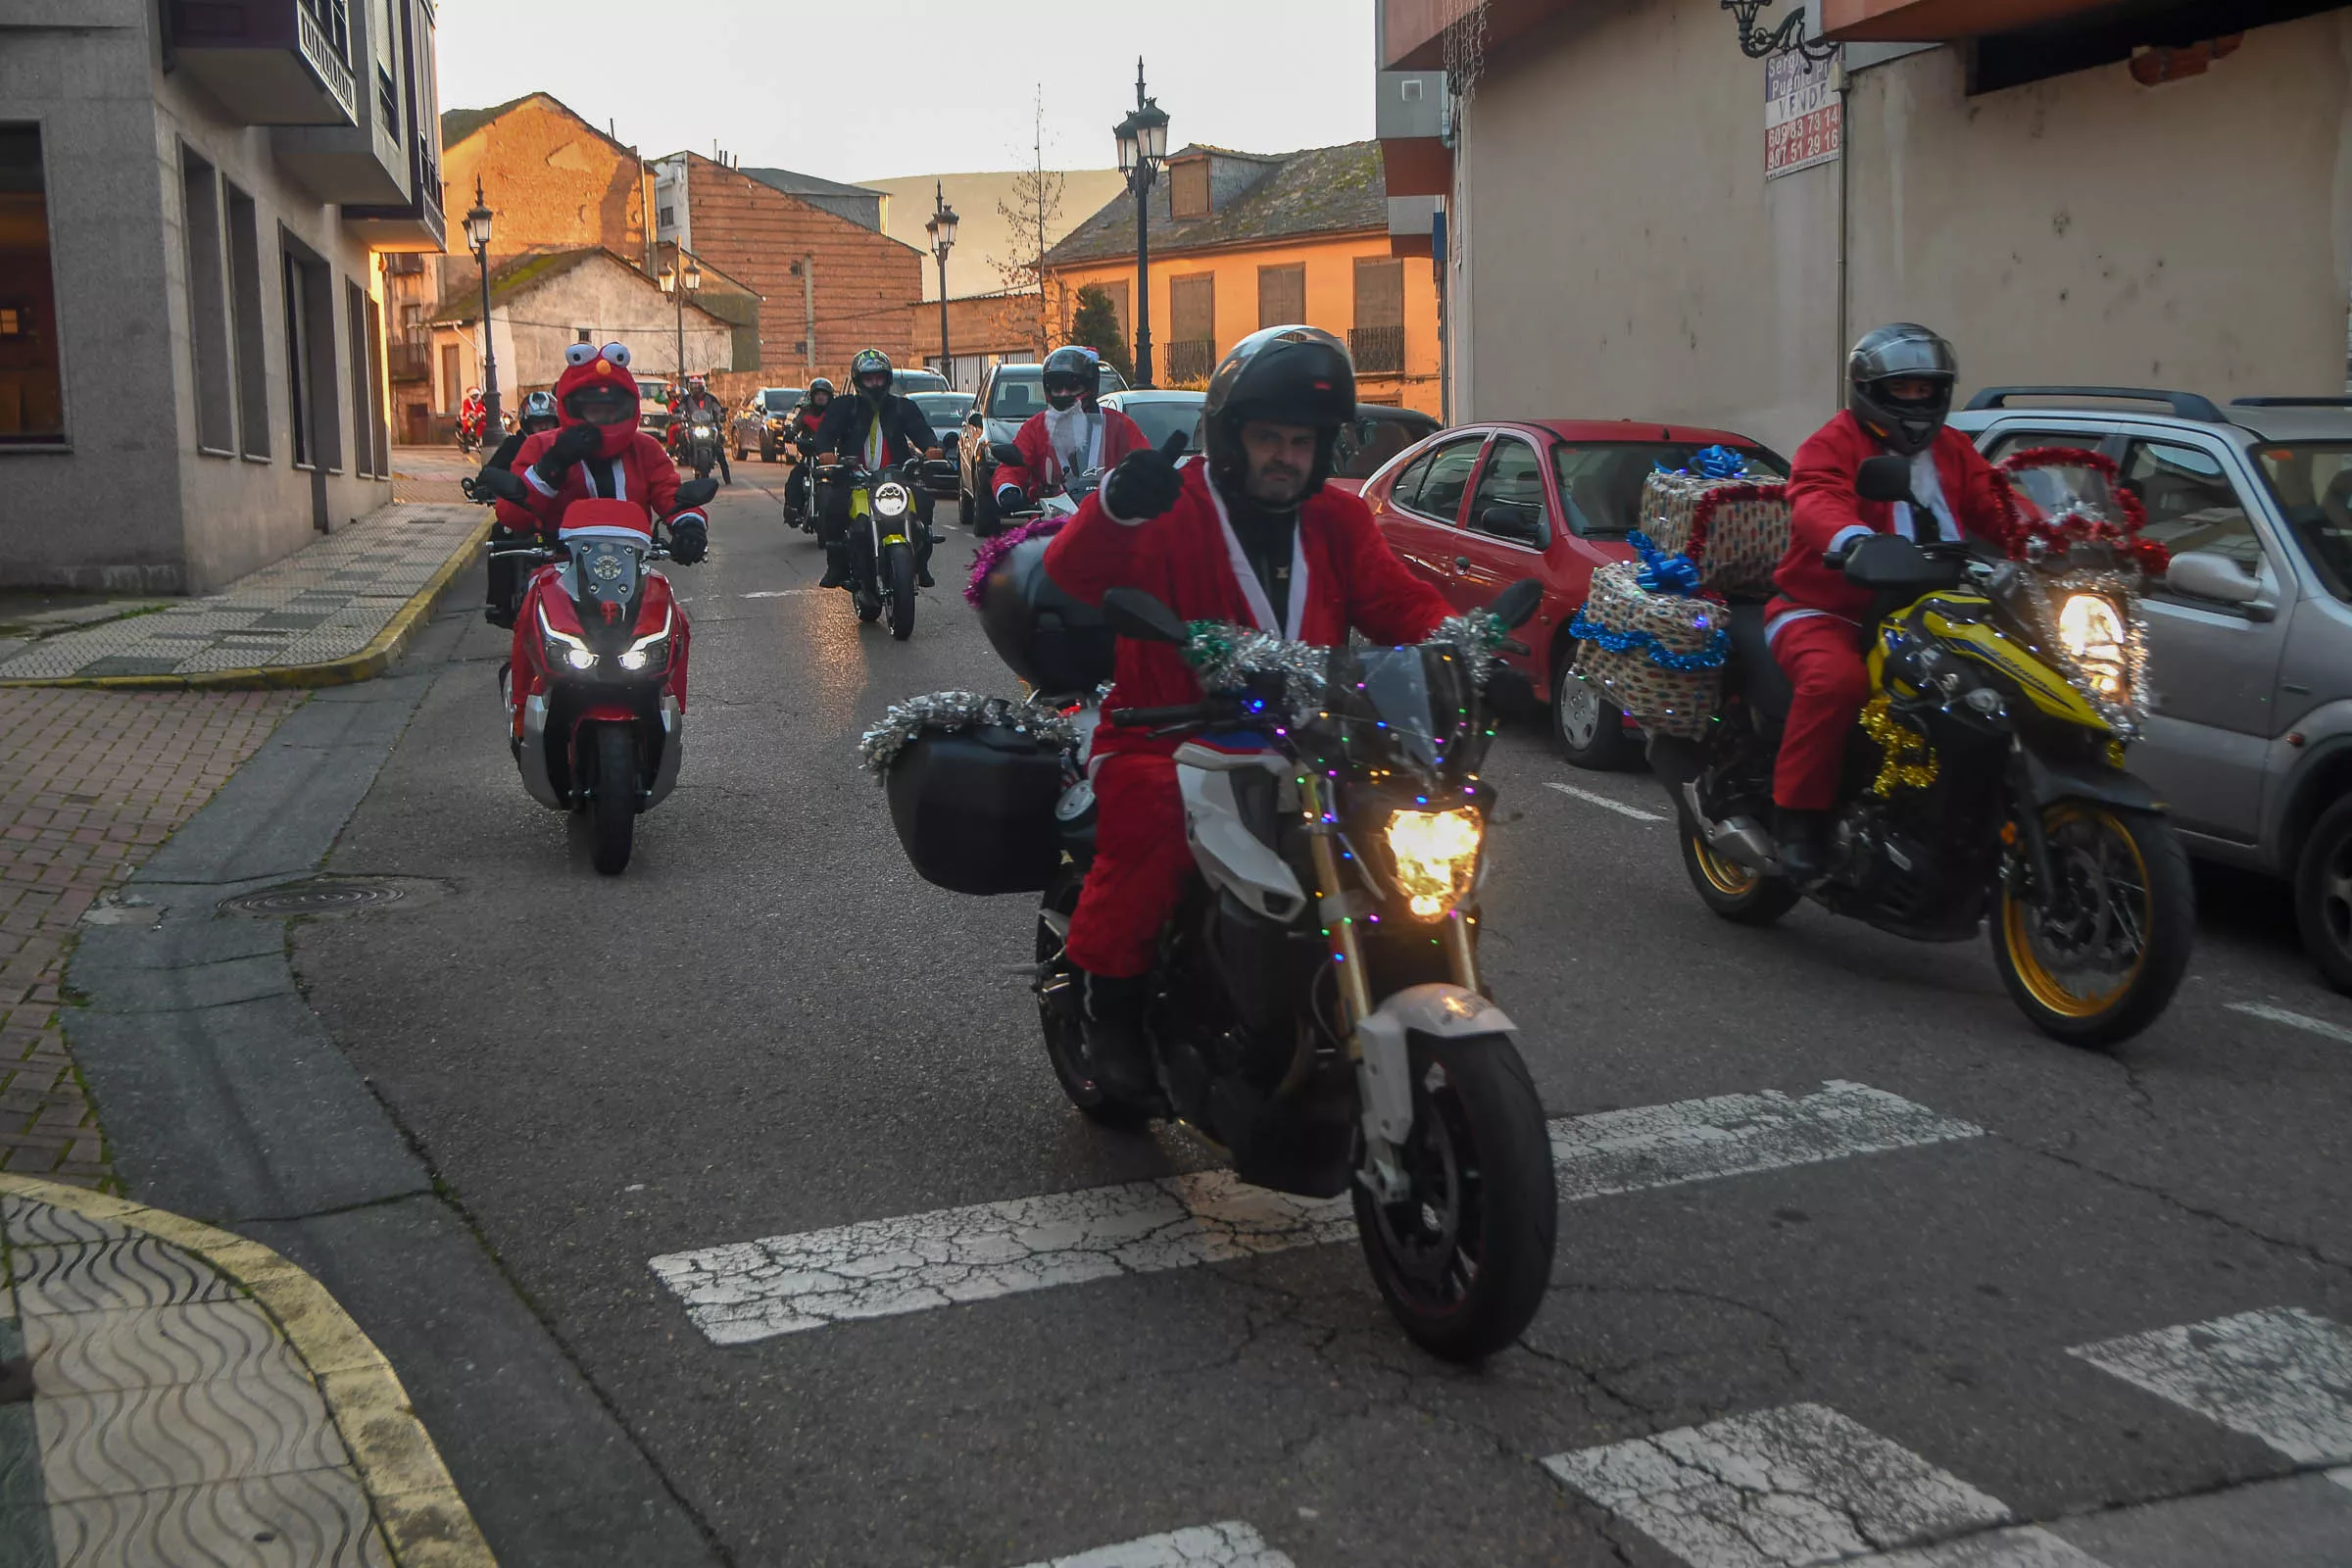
(1180, 713)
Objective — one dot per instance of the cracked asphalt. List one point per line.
(769, 1027)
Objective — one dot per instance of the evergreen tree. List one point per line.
(1095, 325)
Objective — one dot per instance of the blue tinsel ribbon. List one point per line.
(1662, 574)
(1584, 629)
(1713, 462)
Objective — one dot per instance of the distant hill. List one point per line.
(982, 238)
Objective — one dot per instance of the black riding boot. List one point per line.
(1803, 839)
(836, 566)
(1117, 1053)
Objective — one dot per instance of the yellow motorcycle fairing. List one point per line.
(1962, 622)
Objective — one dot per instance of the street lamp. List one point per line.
(942, 230)
(477, 236)
(670, 286)
(1142, 148)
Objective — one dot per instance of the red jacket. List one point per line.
(643, 473)
(1040, 467)
(1824, 507)
(1186, 559)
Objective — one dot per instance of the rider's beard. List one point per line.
(1275, 484)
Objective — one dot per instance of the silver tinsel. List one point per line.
(1227, 658)
(2120, 588)
(949, 712)
(1478, 635)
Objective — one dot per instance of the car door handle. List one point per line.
(1462, 563)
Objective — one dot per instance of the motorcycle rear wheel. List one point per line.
(1464, 1262)
(2098, 965)
(612, 801)
(1733, 891)
(897, 574)
(1057, 1010)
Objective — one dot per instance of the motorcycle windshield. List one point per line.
(1412, 713)
(2055, 491)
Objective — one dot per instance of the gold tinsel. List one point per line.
(1909, 762)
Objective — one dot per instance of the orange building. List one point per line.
(1241, 241)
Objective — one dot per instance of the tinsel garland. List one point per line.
(1227, 656)
(1584, 629)
(2031, 541)
(951, 713)
(1906, 762)
(1478, 634)
(2121, 589)
(991, 551)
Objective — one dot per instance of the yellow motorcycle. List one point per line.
(1986, 777)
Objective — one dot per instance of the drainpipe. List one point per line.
(1841, 83)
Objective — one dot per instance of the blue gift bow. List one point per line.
(1662, 574)
(1713, 462)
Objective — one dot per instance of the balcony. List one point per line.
(270, 61)
(1941, 20)
(1413, 32)
(414, 224)
(412, 359)
(1377, 350)
(1191, 360)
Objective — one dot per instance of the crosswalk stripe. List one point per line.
(2280, 1375)
(2030, 1547)
(742, 1291)
(1776, 1489)
(1231, 1544)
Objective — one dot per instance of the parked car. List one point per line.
(2249, 632)
(1473, 510)
(1379, 433)
(907, 382)
(1008, 394)
(944, 410)
(760, 421)
(653, 407)
(1160, 414)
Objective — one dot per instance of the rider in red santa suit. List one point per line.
(1073, 433)
(1899, 380)
(597, 450)
(1252, 536)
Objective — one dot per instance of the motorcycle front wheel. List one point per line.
(1464, 1260)
(2096, 958)
(612, 806)
(898, 576)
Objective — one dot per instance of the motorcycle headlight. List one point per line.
(891, 500)
(649, 652)
(1436, 857)
(2091, 629)
(562, 647)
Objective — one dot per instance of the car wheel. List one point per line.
(2324, 894)
(1591, 733)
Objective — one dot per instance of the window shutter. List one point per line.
(1281, 295)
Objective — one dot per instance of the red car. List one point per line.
(1476, 508)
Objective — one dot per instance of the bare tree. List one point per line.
(1030, 216)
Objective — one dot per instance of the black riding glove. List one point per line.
(1143, 485)
(689, 540)
(503, 484)
(574, 444)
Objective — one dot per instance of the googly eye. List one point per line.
(576, 354)
(618, 354)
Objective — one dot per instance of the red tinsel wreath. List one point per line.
(1702, 511)
(2152, 557)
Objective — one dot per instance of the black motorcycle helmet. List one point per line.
(1287, 375)
(1071, 373)
(539, 413)
(863, 370)
(1901, 351)
(820, 393)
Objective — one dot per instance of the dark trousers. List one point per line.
(833, 529)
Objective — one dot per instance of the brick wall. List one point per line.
(865, 282)
(552, 181)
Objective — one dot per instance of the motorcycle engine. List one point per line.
(1898, 881)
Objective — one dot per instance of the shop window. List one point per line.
(33, 405)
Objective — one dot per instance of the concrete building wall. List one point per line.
(132, 504)
(1618, 250)
(616, 306)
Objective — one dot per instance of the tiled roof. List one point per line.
(792, 184)
(1322, 190)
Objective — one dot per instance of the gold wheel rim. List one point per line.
(2017, 930)
(1727, 877)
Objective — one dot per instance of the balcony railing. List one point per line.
(1191, 358)
(1377, 350)
(270, 61)
(411, 359)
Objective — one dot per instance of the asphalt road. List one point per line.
(770, 1026)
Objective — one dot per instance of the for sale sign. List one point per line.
(1804, 121)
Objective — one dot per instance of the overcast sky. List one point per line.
(918, 87)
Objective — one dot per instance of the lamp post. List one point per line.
(1143, 147)
(693, 278)
(477, 236)
(942, 230)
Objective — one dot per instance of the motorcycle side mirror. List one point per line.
(697, 492)
(1005, 453)
(1515, 604)
(1133, 612)
(1885, 479)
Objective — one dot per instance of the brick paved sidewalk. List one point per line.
(90, 782)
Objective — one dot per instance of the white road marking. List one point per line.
(783, 593)
(2029, 1546)
(1605, 802)
(2281, 1375)
(1777, 1488)
(2295, 1020)
(2342, 1478)
(748, 1290)
(1231, 1544)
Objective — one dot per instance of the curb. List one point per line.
(365, 664)
(415, 1503)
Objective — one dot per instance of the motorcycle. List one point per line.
(802, 503)
(469, 431)
(883, 527)
(702, 443)
(1316, 1009)
(1061, 502)
(1985, 778)
(596, 689)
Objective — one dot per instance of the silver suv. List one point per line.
(2250, 633)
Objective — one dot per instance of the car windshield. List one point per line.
(942, 409)
(1161, 418)
(1371, 441)
(780, 399)
(1601, 481)
(2311, 481)
(1017, 392)
(906, 383)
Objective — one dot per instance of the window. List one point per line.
(1281, 295)
(33, 401)
(2313, 484)
(1118, 308)
(1408, 482)
(2016, 441)
(1187, 188)
(665, 217)
(207, 304)
(245, 324)
(1377, 341)
(313, 421)
(379, 437)
(1510, 503)
(449, 379)
(355, 371)
(586, 334)
(1192, 327)
(2190, 502)
(1440, 494)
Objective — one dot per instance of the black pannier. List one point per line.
(974, 810)
(1052, 641)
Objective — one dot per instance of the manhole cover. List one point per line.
(340, 895)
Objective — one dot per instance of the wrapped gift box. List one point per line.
(1734, 530)
(1658, 657)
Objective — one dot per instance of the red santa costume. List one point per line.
(1056, 443)
(1342, 575)
(1816, 626)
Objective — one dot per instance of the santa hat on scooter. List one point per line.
(599, 380)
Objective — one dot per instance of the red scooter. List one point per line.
(597, 685)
